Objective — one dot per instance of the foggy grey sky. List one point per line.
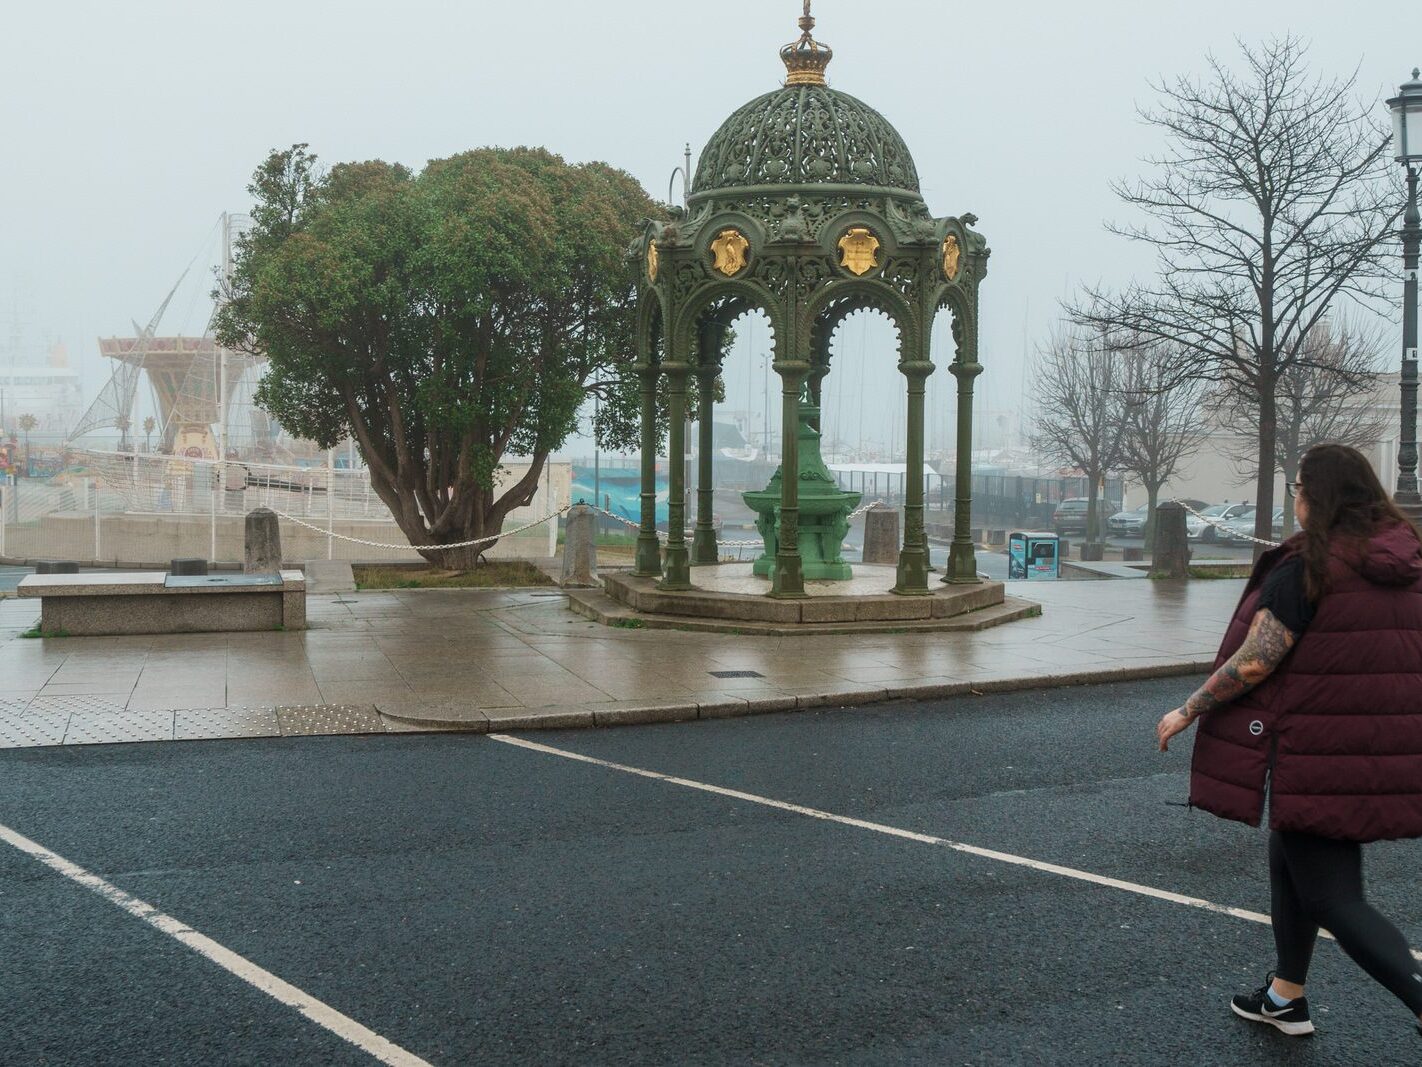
(129, 127)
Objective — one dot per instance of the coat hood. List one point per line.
(1393, 557)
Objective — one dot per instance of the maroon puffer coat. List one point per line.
(1340, 720)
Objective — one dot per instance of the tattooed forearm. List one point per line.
(1263, 650)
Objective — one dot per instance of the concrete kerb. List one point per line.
(729, 705)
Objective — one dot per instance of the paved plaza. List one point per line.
(1006, 879)
(520, 659)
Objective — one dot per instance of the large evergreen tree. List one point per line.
(444, 319)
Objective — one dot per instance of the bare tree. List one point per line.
(1080, 422)
(1267, 208)
(1163, 420)
(1324, 397)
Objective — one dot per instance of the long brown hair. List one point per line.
(1346, 504)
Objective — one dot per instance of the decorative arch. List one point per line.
(714, 295)
(959, 306)
(841, 299)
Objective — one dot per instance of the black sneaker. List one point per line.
(1292, 1018)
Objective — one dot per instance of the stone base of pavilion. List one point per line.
(728, 598)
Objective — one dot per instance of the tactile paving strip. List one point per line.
(77, 705)
(309, 720)
(119, 728)
(226, 722)
(23, 730)
(14, 705)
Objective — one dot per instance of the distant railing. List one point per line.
(146, 509)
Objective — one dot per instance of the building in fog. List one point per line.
(1221, 472)
(48, 390)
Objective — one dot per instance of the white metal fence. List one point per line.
(127, 508)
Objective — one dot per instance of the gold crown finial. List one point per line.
(806, 59)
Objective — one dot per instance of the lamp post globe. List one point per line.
(1407, 149)
(1407, 121)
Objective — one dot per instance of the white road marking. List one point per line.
(321, 1014)
(907, 835)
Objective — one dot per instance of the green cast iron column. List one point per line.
(789, 578)
(962, 562)
(678, 569)
(648, 561)
(817, 383)
(703, 541)
(913, 558)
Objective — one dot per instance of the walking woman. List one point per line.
(1316, 700)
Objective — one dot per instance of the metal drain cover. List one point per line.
(736, 674)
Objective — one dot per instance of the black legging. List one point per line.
(1317, 881)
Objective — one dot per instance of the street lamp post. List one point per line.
(1407, 149)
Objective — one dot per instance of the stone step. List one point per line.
(597, 605)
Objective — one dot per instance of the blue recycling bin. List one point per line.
(1033, 556)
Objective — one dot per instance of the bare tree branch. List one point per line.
(1267, 210)
(1080, 421)
(1164, 423)
(1322, 398)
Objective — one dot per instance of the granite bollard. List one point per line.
(188, 567)
(1170, 555)
(262, 543)
(881, 535)
(56, 566)
(580, 549)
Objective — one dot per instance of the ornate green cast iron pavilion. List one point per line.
(806, 206)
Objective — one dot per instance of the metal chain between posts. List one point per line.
(424, 548)
(720, 544)
(1220, 526)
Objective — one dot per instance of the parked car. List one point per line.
(1070, 515)
(1129, 523)
(1197, 529)
(1133, 523)
(1240, 529)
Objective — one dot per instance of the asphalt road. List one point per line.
(477, 902)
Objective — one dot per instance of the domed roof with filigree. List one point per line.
(806, 134)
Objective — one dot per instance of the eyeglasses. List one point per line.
(1293, 489)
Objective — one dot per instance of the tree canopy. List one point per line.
(444, 319)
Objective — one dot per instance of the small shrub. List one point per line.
(38, 632)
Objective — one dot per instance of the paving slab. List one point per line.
(124, 727)
(508, 659)
(305, 720)
(225, 722)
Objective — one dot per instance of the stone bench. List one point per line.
(153, 602)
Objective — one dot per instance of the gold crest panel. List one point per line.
(859, 250)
